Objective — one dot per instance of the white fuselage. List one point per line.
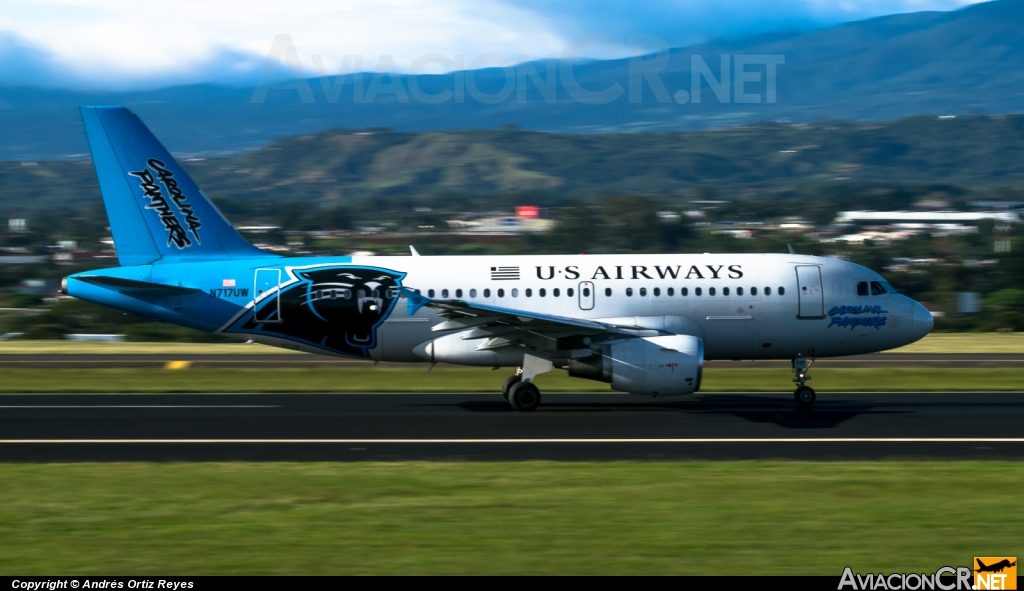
(744, 306)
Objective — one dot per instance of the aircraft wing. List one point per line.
(506, 326)
(134, 287)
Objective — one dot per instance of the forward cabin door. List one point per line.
(266, 284)
(586, 295)
(812, 300)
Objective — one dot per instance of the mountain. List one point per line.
(966, 61)
(380, 170)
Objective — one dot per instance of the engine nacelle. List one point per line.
(652, 366)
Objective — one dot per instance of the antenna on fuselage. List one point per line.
(413, 250)
(791, 249)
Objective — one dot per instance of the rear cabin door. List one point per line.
(266, 296)
(586, 295)
(812, 300)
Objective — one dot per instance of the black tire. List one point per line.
(511, 381)
(524, 397)
(804, 396)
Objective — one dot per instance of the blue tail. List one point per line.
(156, 212)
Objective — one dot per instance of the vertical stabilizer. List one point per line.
(156, 212)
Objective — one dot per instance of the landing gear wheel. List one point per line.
(804, 396)
(524, 396)
(511, 381)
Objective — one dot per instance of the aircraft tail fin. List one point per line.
(156, 211)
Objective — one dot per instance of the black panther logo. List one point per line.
(337, 308)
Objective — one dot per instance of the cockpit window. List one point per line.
(888, 288)
(876, 288)
(862, 288)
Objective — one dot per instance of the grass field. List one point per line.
(933, 343)
(462, 379)
(514, 518)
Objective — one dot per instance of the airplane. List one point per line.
(644, 323)
(996, 567)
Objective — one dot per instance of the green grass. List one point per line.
(514, 518)
(462, 379)
(984, 342)
(1012, 342)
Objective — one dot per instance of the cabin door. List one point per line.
(812, 300)
(266, 296)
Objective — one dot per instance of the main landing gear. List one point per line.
(804, 394)
(519, 389)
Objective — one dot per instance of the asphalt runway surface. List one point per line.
(478, 427)
(876, 360)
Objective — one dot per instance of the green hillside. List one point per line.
(339, 167)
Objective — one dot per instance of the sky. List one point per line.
(129, 44)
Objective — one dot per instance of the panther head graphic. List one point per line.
(338, 308)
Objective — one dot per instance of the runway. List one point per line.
(876, 360)
(478, 427)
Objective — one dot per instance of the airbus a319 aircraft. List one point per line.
(644, 323)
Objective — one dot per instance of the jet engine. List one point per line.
(651, 366)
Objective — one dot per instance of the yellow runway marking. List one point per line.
(484, 441)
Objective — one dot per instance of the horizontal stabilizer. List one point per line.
(133, 287)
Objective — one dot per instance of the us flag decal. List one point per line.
(504, 273)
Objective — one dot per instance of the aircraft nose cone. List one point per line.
(923, 321)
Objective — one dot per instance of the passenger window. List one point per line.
(711, 291)
(444, 293)
(608, 292)
(862, 288)
(876, 288)
(501, 293)
(543, 292)
(529, 292)
(555, 292)
(430, 293)
(568, 292)
(657, 291)
(767, 291)
(515, 293)
(684, 291)
(782, 291)
(458, 293)
(643, 291)
(725, 291)
(696, 291)
(629, 292)
(753, 291)
(586, 292)
(739, 291)
(472, 293)
(671, 291)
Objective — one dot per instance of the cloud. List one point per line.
(110, 42)
(129, 44)
(686, 22)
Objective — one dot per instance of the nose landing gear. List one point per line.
(804, 394)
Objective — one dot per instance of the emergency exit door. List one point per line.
(266, 296)
(812, 300)
(586, 295)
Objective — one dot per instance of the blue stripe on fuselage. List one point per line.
(208, 309)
